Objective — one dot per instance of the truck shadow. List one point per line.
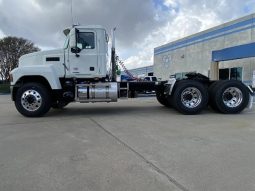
(109, 111)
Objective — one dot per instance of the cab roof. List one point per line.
(67, 30)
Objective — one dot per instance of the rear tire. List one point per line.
(190, 97)
(212, 90)
(161, 97)
(33, 100)
(230, 96)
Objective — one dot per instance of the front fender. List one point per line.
(46, 71)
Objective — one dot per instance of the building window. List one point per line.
(181, 75)
(224, 74)
(178, 76)
(231, 73)
(236, 74)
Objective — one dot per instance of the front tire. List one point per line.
(33, 100)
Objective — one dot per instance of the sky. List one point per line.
(141, 25)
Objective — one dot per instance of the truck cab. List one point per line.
(86, 52)
(78, 71)
(86, 58)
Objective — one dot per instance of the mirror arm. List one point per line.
(77, 49)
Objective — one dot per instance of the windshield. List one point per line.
(66, 42)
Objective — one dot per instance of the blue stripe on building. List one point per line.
(208, 36)
(233, 53)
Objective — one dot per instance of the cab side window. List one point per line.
(86, 40)
(154, 79)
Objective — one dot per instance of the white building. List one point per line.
(194, 53)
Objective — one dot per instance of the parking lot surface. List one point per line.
(134, 144)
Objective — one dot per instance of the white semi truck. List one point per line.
(78, 73)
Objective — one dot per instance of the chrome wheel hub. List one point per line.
(31, 100)
(232, 97)
(191, 97)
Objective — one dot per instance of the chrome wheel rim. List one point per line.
(232, 97)
(191, 97)
(31, 100)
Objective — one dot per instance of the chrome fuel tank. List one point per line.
(97, 92)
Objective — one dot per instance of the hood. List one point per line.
(38, 58)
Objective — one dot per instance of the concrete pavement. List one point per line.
(134, 144)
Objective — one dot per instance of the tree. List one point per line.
(11, 49)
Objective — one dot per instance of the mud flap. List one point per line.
(249, 106)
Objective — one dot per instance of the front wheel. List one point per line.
(33, 100)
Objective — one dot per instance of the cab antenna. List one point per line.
(71, 2)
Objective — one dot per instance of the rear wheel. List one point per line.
(33, 100)
(161, 97)
(212, 90)
(230, 96)
(190, 97)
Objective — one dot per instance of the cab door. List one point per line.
(85, 63)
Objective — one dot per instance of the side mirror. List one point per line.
(75, 50)
(73, 37)
(73, 41)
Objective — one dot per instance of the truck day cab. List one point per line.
(78, 73)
